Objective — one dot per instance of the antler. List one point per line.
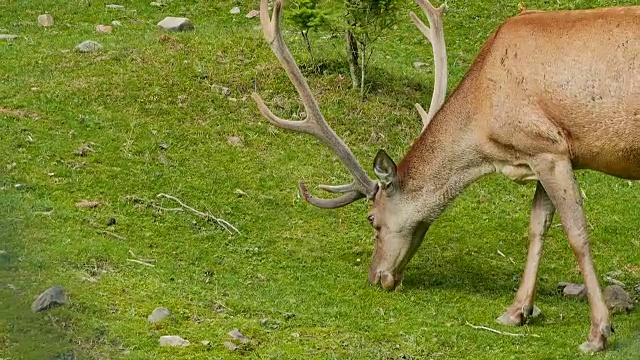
(435, 35)
(314, 124)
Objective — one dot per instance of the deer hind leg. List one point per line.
(522, 307)
(556, 175)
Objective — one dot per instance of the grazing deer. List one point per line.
(549, 92)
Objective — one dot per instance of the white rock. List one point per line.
(51, 297)
(173, 340)
(158, 314)
(8, 37)
(104, 29)
(171, 23)
(575, 291)
(253, 13)
(235, 11)
(45, 20)
(115, 6)
(116, 23)
(156, 4)
(89, 46)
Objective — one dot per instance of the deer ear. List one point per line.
(385, 169)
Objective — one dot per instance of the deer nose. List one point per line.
(385, 278)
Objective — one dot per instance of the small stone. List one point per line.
(235, 11)
(617, 299)
(173, 340)
(575, 291)
(163, 146)
(231, 346)
(205, 342)
(104, 29)
(116, 23)
(158, 314)
(240, 193)
(45, 20)
(156, 4)
(89, 46)
(8, 37)
(51, 297)
(162, 159)
(225, 91)
(234, 141)
(87, 204)
(171, 23)
(83, 150)
(115, 6)
(236, 334)
(253, 13)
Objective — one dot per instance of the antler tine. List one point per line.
(435, 35)
(340, 201)
(314, 124)
(339, 189)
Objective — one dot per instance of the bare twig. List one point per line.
(166, 209)
(498, 331)
(109, 233)
(505, 256)
(141, 262)
(223, 223)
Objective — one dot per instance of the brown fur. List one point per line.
(548, 93)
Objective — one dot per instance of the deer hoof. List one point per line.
(511, 319)
(590, 347)
(516, 316)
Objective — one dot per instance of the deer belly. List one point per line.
(619, 162)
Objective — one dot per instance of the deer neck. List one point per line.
(445, 158)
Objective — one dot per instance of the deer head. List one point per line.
(399, 228)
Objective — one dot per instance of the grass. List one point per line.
(294, 280)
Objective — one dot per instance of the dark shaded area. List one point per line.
(22, 332)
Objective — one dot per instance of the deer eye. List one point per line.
(370, 218)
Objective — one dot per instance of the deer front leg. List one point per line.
(556, 175)
(541, 216)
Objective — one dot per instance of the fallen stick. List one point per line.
(109, 233)
(166, 209)
(498, 331)
(140, 262)
(223, 223)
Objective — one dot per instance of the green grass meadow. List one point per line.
(151, 108)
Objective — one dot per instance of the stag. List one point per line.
(548, 93)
